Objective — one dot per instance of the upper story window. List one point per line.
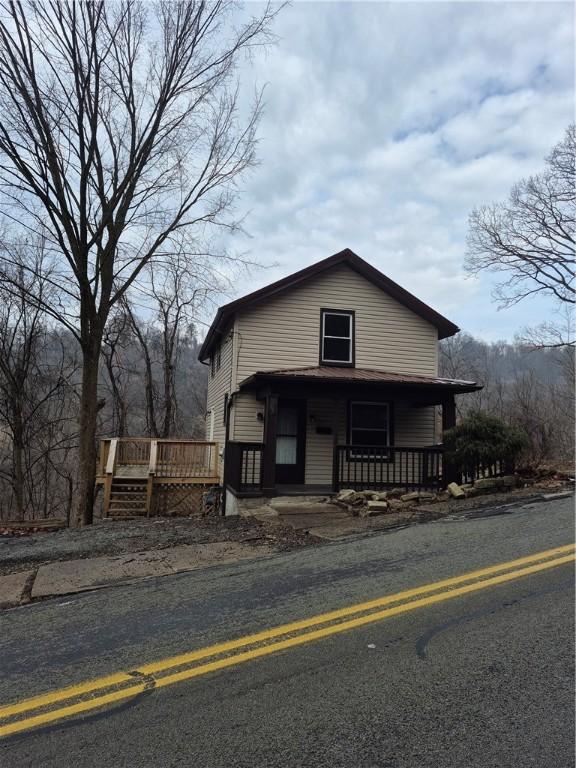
(337, 337)
(212, 364)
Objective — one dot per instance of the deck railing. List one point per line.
(162, 458)
(379, 467)
(243, 468)
(179, 458)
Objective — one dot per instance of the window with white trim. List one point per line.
(369, 428)
(337, 337)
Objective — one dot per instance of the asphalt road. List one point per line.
(484, 679)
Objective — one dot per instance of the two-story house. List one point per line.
(326, 379)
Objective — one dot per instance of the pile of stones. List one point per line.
(372, 503)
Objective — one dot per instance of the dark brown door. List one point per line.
(290, 442)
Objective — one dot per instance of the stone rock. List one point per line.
(346, 494)
(396, 505)
(455, 491)
(509, 481)
(375, 508)
(486, 483)
(366, 494)
(418, 496)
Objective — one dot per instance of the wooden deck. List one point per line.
(134, 471)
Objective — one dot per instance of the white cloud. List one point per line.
(387, 122)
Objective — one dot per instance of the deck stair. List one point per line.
(128, 497)
(135, 472)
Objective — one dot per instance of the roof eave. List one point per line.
(258, 378)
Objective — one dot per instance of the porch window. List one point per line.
(337, 337)
(369, 427)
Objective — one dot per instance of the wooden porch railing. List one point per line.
(366, 466)
(242, 468)
(426, 468)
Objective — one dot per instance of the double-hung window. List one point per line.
(369, 428)
(337, 337)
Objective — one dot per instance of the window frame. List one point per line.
(351, 363)
(385, 456)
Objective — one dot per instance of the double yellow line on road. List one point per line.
(78, 699)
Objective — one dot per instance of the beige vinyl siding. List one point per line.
(246, 426)
(320, 448)
(218, 386)
(413, 427)
(284, 332)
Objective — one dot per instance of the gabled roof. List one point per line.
(349, 258)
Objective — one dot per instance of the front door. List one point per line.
(290, 442)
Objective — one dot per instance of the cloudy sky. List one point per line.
(386, 123)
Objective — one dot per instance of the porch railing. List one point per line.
(364, 467)
(479, 470)
(243, 468)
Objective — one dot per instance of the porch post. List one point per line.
(335, 457)
(269, 452)
(450, 473)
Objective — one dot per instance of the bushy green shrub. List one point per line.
(482, 440)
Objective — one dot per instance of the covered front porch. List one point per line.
(324, 429)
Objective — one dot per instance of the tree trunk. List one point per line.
(168, 399)
(84, 508)
(18, 464)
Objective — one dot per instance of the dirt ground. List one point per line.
(18, 553)
(22, 552)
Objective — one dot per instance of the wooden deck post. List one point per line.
(151, 473)
(110, 468)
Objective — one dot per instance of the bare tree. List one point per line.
(555, 333)
(524, 386)
(35, 394)
(531, 238)
(116, 338)
(175, 297)
(120, 142)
